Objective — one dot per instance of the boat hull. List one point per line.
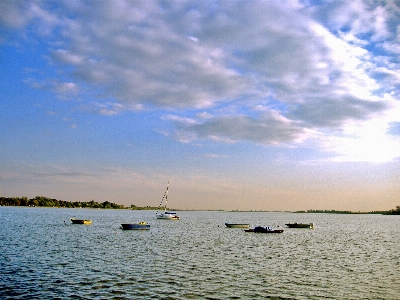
(135, 226)
(167, 216)
(237, 225)
(300, 225)
(81, 221)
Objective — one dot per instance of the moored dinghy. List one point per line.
(81, 221)
(136, 226)
(237, 225)
(300, 225)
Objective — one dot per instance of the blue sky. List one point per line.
(249, 105)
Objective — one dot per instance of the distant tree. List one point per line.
(33, 202)
(24, 201)
(396, 211)
(51, 202)
(106, 204)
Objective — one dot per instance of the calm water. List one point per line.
(344, 257)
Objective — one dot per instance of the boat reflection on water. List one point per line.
(260, 229)
(300, 225)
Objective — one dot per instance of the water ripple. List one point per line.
(196, 258)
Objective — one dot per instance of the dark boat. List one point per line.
(260, 229)
(300, 225)
(237, 225)
(81, 221)
(135, 226)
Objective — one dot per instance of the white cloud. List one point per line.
(66, 88)
(269, 129)
(65, 56)
(368, 141)
(180, 120)
(272, 72)
(14, 14)
(106, 109)
(371, 144)
(62, 89)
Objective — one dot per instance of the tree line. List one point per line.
(395, 211)
(49, 202)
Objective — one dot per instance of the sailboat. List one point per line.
(166, 215)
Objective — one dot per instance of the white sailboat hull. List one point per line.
(167, 216)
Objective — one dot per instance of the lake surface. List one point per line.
(43, 256)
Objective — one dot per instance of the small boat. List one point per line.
(136, 226)
(81, 221)
(166, 215)
(300, 225)
(237, 225)
(260, 229)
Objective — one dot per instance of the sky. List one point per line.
(239, 105)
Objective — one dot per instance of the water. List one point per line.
(43, 256)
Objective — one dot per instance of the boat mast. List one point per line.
(166, 198)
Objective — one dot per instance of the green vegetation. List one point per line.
(395, 211)
(325, 211)
(390, 212)
(47, 202)
(134, 207)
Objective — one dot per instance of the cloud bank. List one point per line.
(269, 72)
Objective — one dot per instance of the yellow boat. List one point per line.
(80, 221)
